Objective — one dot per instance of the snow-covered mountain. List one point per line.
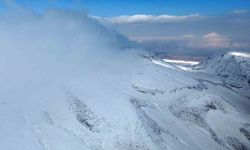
(232, 68)
(71, 86)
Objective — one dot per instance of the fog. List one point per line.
(57, 46)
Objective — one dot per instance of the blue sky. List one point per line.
(130, 7)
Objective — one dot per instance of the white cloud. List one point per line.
(163, 38)
(207, 40)
(214, 40)
(239, 11)
(210, 40)
(142, 18)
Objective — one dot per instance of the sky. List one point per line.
(178, 27)
(129, 7)
(156, 7)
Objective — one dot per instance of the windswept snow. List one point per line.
(240, 54)
(176, 64)
(188, 62)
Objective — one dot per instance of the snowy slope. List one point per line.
(88, 92)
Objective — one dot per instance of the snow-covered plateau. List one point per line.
(68, 83)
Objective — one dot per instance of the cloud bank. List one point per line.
(212, 40)
(239, 11)
(209, 40)
(142, 18)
